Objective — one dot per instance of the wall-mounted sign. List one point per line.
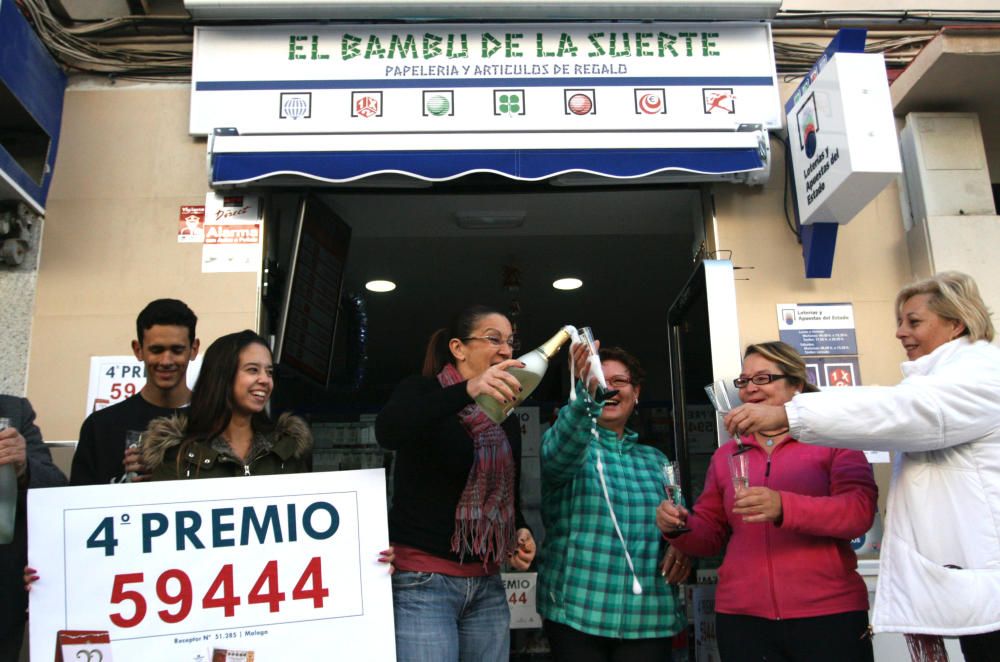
(818, 329)
(842, 146)
(191, 224)
(233, 233)
(448, 78)
(842, 138)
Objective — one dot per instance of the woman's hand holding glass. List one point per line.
(670, 517)
(496, 382)
(758, 504)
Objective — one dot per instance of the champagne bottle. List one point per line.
(536, 362)
(8, 496)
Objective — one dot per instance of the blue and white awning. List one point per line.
(343, 159)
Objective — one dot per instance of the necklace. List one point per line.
(770, 438)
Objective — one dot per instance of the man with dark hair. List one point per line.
(21, 445)
(166, 344)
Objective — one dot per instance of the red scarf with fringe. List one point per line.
(484, 517)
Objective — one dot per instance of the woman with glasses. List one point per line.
(455, 515)
(940, 561)
(788, 587)
(606, 579)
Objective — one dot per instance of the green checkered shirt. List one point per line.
(584, 580)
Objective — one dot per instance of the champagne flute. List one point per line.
(8, 496)
(672, 487)
(739, 472)
(722, 399)
(602, 392)
(133, 439)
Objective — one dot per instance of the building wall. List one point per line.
(125, 166)
(17, 292)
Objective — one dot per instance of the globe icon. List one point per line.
(295, 107)
(438, 105)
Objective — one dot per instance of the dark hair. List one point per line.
(464, 323)
(212, 396)
(635, 371)
(789, 362)
(165, 312)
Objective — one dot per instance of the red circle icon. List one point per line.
(580, 104)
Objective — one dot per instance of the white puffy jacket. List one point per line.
(940, 561)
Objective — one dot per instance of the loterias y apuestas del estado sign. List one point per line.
(358, 79)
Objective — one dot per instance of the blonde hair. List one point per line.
(788, 361)
(953, 296)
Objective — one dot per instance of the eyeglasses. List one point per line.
(759, 380)
(513, 341)
(619, 382)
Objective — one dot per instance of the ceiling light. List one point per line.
(380, 286)
(567, 284)
(489, 220)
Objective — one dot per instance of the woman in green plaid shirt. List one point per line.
(606, 585)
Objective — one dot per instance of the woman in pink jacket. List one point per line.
(788, 589)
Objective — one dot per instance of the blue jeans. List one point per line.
(450, 619)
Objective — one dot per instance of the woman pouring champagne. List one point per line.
(456, 513)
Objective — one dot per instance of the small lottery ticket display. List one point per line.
(114, 378)
(521, 588)
(261, 568)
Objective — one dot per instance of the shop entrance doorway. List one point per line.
(633, 248)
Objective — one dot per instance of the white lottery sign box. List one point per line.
(283, 566)
(842, 139)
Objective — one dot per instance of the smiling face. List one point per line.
(253, 382)
(776, 393)
(921, 330)
(618, 409)
(166, 351)
(474, 355)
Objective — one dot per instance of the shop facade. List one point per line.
(131, 155)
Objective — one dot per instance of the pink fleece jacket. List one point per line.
(805, 567)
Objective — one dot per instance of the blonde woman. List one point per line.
(940, 562)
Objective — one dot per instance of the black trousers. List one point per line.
(11, 642)
(981, 647)
(570, 645)
(834, 638)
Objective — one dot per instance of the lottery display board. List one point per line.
(282, 567)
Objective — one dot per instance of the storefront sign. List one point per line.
(114, 378)
(519, 78)
(818, 329)
(277, 567)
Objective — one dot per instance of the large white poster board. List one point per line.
(284, 566)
